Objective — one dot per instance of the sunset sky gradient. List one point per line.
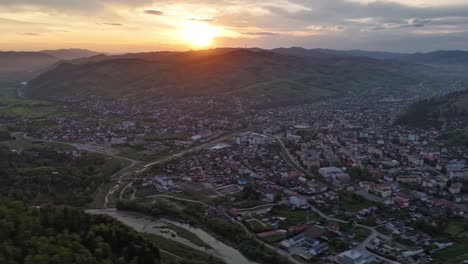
(145, 25)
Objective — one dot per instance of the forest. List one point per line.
(59, 235)
(42, 174)
(431, 112)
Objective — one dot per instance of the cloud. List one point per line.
(348, 24)
(153, 12)
(113, 24)
(262, 33)
(410, 23)
(31, 34)
(202, 19)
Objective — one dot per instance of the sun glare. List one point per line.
(199, 34)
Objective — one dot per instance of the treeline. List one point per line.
(4, 134)
(430, 112)
(52, 235)
(41, 174)
(230, 233)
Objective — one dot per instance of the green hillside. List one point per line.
(433, 111)
(255, 74)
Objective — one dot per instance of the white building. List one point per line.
(356, 257)
(330, 172)
(253, 138)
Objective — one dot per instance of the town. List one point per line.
(334, 180)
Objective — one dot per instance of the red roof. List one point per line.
(269, 233)
(233, 212)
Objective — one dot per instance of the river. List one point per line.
(148, 225)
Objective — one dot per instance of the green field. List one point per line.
(351, 203)
(456, 228)
(13, 107)
(256, 225)
(452, 255)
(294, 217)
(361, 233)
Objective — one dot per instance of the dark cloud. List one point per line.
(263, 33)
(154, 12)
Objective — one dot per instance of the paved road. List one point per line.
(135, 166)
(116, 176)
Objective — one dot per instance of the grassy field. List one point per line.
(294, 217)
(184, 233)
(353, 204)
(140, 153)
(456, 228)
(182, 251)
(361, 233)
(21, 143)
(255, 225)
(452, 255)
(14, 107)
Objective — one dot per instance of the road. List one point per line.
(115, 177)
(291, 160)
(374, 233)
(135, 167)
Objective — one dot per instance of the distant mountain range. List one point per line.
(284, 74)
(22, 66)
(70, 54)
(270, 76)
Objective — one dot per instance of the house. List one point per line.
(242, 181)
(317, 187)
(253, 138)
(455, 188)
(408, 179)
(319, 249)
(402, 201)
(273, 233)
(343, 178)
(382, 190)
(330, 173)
(366, 185)
(298, 203)
(295, 241)
(456, 174)
(355, 257)
(315, 231)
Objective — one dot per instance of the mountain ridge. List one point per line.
(219, 71)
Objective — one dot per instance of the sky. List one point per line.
(118, 26)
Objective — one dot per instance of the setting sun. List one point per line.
(199, 34)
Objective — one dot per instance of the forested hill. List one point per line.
(431, 112)
(285, 76)
(68, 236)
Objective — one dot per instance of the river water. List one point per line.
(148, 225)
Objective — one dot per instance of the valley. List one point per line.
(289, 150)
